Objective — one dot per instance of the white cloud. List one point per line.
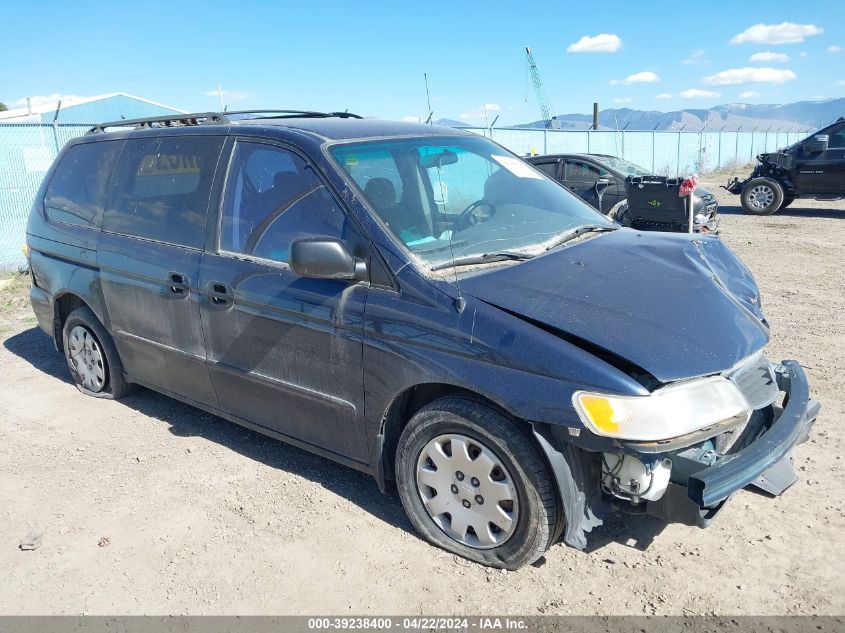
(695, 57)
(834, 49)
(783, 33)
(411, 119)
(602, 43)
(43, 99)
(664, 95)
(233, 95)
(477, 114)
(802, 55)
(841, 82)
(737, 76)
(644, 77)
(622, 100)
(695, 93)
(749, 94)
(768, 56)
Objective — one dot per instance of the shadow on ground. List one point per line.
(793, 211)
(183, 420)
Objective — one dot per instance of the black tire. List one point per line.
(787, 202)
(762, 196)
(114, 386)
(539, 519)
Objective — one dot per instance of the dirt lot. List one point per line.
(149, 506)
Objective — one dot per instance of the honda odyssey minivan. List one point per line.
(418, 303)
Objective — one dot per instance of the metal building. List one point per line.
(108, 107)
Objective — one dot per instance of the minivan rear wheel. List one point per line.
(476, 485)
(92, 357)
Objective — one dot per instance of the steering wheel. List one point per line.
(472, 215)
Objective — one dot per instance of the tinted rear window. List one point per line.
(77, 190)
(162, 187)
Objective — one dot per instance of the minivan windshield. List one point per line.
(466, 197)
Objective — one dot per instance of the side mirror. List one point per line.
(817, 144)
(325, 258)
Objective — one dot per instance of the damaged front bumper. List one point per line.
(701, 480)
(765, 462)
(735, 185)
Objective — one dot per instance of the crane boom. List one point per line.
(539, 91)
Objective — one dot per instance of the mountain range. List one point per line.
(803, 115)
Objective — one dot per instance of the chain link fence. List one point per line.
(26, 153)
(662, 152)
(27, 150)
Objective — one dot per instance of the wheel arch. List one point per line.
(65, 303)
(570, 468)
(402, 409)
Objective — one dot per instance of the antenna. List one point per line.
(460, 303)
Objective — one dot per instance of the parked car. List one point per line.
(811, 168)
(418, 303)
(588, 175)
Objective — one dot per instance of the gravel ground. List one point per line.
(147, 506)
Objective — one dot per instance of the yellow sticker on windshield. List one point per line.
(351, 161)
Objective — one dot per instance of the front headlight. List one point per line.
(666, 413)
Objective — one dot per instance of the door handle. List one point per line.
(178, 284)
(220, 295)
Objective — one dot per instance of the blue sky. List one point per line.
(370, 57)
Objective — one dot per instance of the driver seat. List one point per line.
(381, 194)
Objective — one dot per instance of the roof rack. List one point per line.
(176, 120)
(216, 118)
(296, 114)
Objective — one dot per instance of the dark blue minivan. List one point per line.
(418, 303)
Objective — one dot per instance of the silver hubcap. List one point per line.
(86, 358)
(761, 197)
(467, 491)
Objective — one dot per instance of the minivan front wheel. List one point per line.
(92, 357)
(474, 484)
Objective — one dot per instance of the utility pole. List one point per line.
(595, 115)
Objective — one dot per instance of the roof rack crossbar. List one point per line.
(297, 114)
(215, 118)
(176, 120)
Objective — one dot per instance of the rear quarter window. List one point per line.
(77, 190)
(162, 188)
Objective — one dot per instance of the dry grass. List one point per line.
(14, 292)
(14, 302)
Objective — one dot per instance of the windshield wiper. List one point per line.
(485, 258)
(581, 230)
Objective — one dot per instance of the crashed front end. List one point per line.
(766, 411)
(710, 414)
(776, 165)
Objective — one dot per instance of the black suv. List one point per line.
(420, 304)
(811, 168)
(600, 180)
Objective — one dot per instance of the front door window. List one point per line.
(273, 197)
